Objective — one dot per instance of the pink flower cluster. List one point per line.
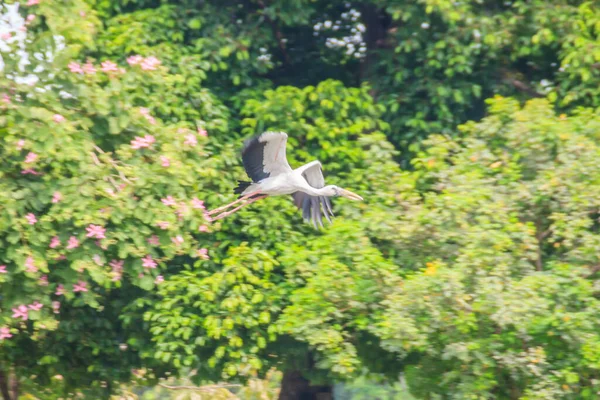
(177, 240)
(30, 265)
(30, 158)
(3, 269)
(60, 290)
(88, 68)
(80, 286)
(148, 262)
(203, 253)
(169, 201)
(56, 197)
(95, 231)
(140, 142)
(31, 219)
(5, 333)
(191, 140)
(58, 118)
(153, 240)
(146, 113)
(73, 243)
(117, 269)
(22, 311)
(147, 64)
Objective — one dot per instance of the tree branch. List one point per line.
(276, 32)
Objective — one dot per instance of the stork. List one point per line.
(265, 162)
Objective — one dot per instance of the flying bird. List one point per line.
(265, 162)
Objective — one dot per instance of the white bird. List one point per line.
(264, 158)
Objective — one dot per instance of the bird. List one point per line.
(264, 159)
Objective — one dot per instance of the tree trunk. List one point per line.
(4, 386)
(295, 387)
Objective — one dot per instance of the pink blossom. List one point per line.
(58, 118)
(95, 231)
(109, 66)
(164, 161)
(72, 243)
(178, 240)
(55, 242)
(148, 117)
(30, 171)
(33, 2)
(61, 257)
(202, 132)
(30, 17)
(20, 144)
(82, 14)
(31, 219)
(31, 157)
(75, 68)
(56, 197)
(203, 253)
(23, 28)
(30, 265)
(5, 333)
(140, 142)
(150, 63)
(36, 306)
(153, 240)
(159, 279)
(56, 307)
(191, 140)
(21, 312)
(162, 224)
(148, 262)
(3, 269)
(133, 60)
(6, 99)
(80, 286)
(97, 259)
(197, 204)
(181, 210)
(60, 290)
(203, 228)
(43, 280)
(117, 265)
(89, 68)
(117, 269)
(169, 201)
(5, 36)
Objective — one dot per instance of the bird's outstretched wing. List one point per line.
(311, 205)
(264, 155)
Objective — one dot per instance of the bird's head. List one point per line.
(335, 191)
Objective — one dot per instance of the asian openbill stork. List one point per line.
(266, 164)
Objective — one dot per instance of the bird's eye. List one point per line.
(336, 191)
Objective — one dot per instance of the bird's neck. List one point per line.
(316, 192)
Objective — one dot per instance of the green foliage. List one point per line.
(503, 243)
(473, 271)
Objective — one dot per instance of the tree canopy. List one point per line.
(469, 127)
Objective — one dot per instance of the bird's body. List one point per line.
(265, 161)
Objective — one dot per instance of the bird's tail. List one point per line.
(242, 185)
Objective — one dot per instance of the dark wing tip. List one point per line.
(252, 158)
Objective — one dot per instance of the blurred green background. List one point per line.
(471, 270)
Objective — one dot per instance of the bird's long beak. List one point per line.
(348, 194)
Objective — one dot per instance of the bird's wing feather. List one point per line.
(264, 155)
(311, 205)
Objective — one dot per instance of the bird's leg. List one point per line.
(225, 214)
(226, 206)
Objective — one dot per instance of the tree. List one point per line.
(98, 202)
(502, 242)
